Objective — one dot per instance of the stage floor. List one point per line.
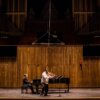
(76, 93)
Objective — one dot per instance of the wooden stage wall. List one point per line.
(61, 60)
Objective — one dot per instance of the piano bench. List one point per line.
(24, 88)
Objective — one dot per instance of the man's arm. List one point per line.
(51, 75)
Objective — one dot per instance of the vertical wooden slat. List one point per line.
(25, 8)
(13, 11)
(73, 8)
(18, 23)
(8, 6)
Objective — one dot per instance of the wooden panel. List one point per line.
(63, 61)
(82, 11)
(17, 9)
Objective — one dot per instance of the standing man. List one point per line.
(45, 80)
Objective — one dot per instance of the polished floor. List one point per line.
(75, 93)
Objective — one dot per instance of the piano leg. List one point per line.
(37, 88)
(68, 88)
(67, 91)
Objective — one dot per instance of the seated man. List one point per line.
(27, 84)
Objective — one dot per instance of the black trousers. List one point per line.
(31, 87)
(26, 86)
(44, 89)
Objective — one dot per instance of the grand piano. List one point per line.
(56, 80)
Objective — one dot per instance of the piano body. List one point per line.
(56, 80)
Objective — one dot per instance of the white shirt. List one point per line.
(45, 78)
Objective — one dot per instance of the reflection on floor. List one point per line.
(75, 93)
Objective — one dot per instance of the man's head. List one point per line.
(46, 70)
(26, 75)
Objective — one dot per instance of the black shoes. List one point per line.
(45, 95)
